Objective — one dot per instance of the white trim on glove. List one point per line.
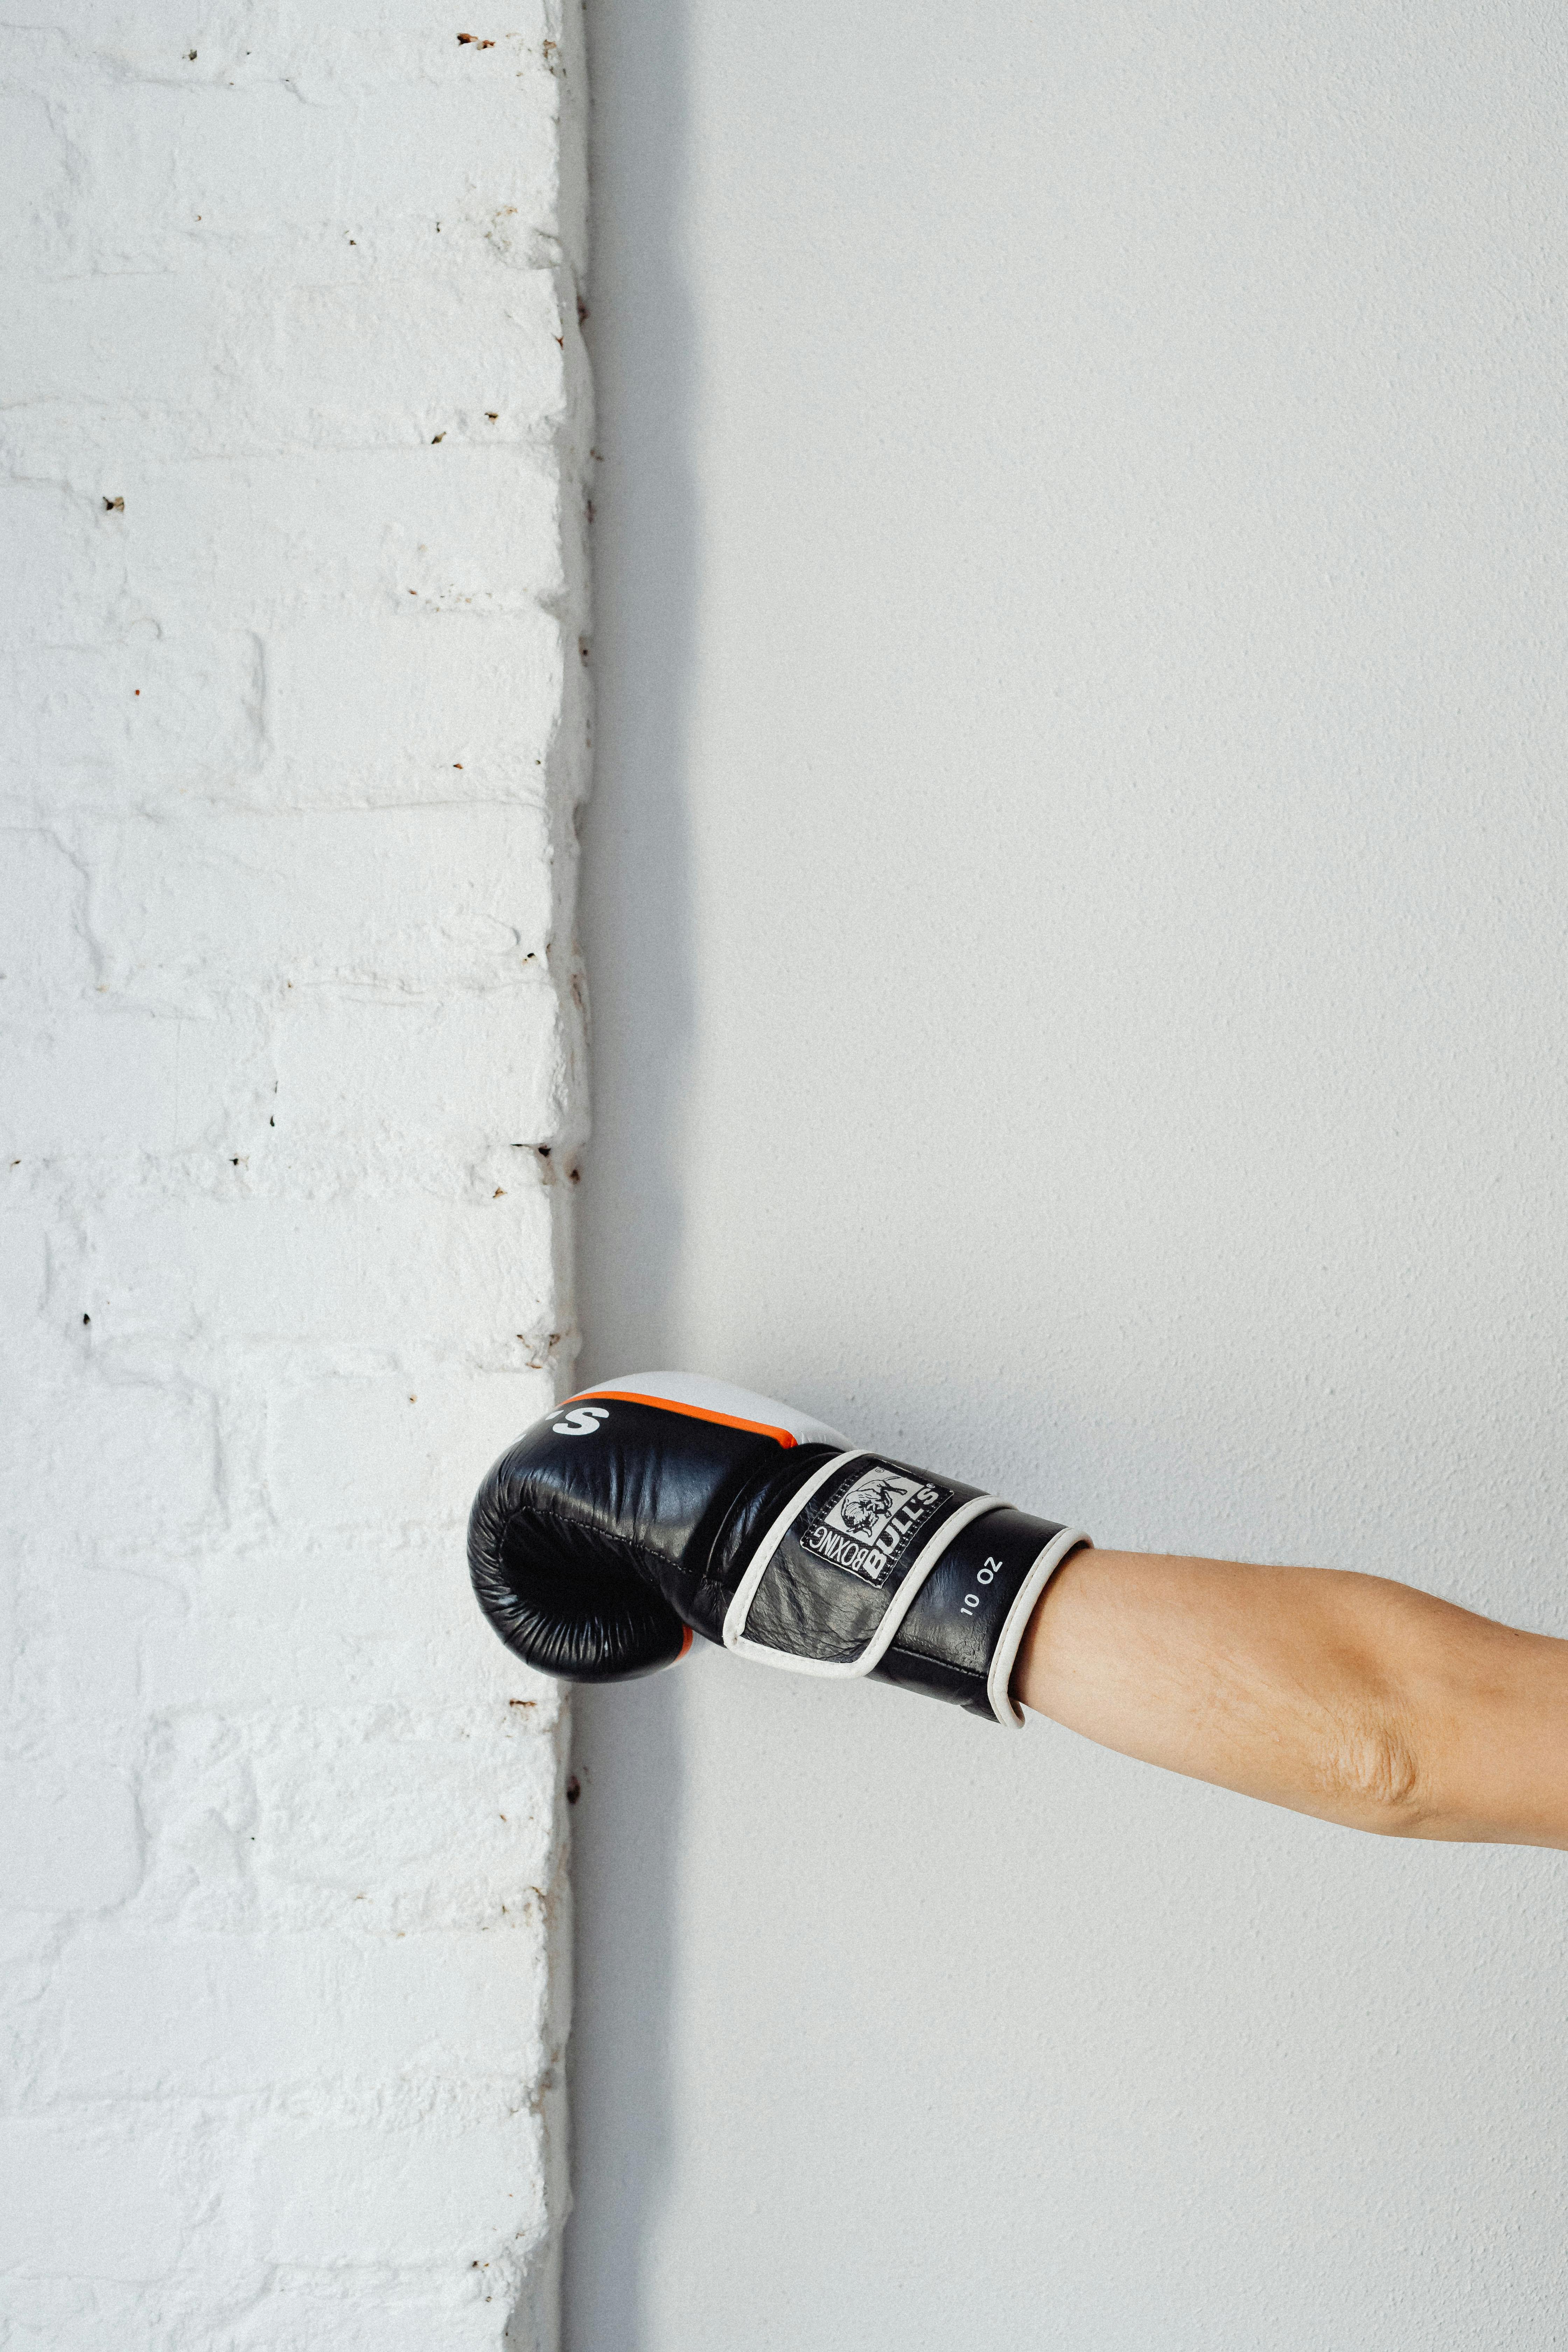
(998, 1680)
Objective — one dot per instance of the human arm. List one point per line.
(1348, 1696)
(663, 1505)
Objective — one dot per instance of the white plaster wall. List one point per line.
(294, 432)
(1075, 919)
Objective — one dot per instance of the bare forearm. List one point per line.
(1352, 1697)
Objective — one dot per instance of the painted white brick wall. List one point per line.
(292, 522)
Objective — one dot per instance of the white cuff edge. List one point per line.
(1003, 1706)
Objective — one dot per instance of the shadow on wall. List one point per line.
(635, 925)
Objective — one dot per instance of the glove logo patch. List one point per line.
(869, 1524)
(583, 1421)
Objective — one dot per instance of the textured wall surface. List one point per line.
(296, 710)
(1076, 910)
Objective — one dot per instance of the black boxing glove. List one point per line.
(665, 1504)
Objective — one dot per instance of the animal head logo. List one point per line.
(870, 1501)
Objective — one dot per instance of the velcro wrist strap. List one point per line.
(838, 1569)
(961, 1639)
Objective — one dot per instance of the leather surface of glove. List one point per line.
(664, 1503)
